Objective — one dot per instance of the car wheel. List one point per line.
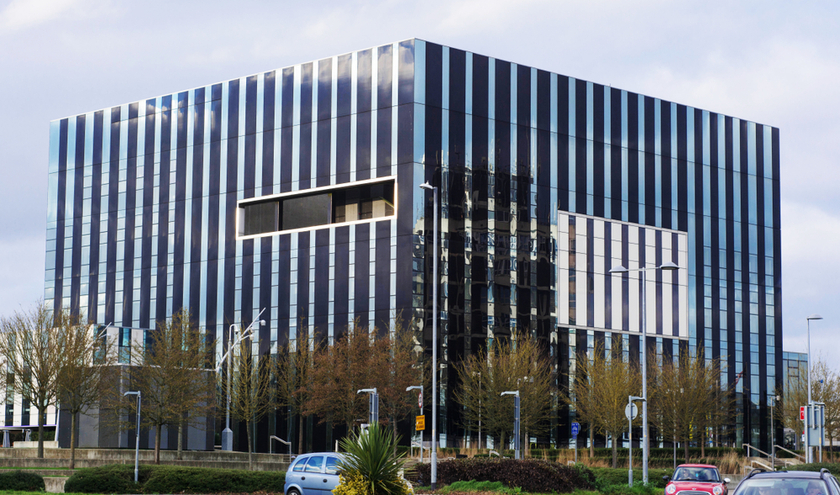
(293, 491)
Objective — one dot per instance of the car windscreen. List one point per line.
(696, 474)
(782, 486)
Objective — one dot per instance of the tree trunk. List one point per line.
(157, 444)
(41, 433)
(703, 442)
(591, 442)
(301, 421)
(685, 448)
(72, 441)
(180, 440)
(250, 455)
(614, 452)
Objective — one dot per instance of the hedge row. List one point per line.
(21, 481)
(606, 477)
(833, 467)
(531, 475)
(119, 478)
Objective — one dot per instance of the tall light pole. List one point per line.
(668, 266)
(227, 433)
(516, 440)
(373, 404)
(434, 189)
(137, 439)
(808, 456)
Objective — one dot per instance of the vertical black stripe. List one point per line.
(163, 209)
(77, 214)
(196, 207)
(148, 198)
(95, 218)
(362, 280)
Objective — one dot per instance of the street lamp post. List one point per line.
(808, 456)
(515, 394)
(773, 432)
(668, 266)
(373, 404)
(227, 433)
(631, 415)
(137, 439)
(427, 187)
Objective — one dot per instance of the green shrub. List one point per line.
(119, 478)
(608, 477)
(833, 467)
(114, 478)
(173, 479)
(22, 481)
(531, 475)
(370, 456)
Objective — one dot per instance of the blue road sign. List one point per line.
(575, 429)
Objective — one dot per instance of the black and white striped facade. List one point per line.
(546, 182)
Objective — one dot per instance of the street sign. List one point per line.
(802, 413)
(420, 401)
(631, 411)
(575, 429)
(420, 423)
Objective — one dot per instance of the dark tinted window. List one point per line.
(306, 211)
(261, 218)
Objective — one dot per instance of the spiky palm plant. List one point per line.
(370, 455)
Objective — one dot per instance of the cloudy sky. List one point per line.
(773, 62)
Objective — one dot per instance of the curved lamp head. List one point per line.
(428, 186)
(668, 265)
(814, 317)
(619, 269)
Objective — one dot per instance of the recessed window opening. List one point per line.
(350, 203)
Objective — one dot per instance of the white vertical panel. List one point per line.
(563, 290)
(617, 303)
(633, 297)
(600, 292)
(667, 303)
(683, 330)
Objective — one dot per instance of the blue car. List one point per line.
(313, 474)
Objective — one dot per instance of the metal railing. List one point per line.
(788, 462)
(284, 442)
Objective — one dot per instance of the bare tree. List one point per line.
(825, 388)
(174, 371)
(516, 364)
(400, 365)
(250, 391)
(294, 376)
(340, 371)
(32, 343)
(686, 398)
(603, 382)
(87, 367)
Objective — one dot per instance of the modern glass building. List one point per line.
(297, 191)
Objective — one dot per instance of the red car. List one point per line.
(695, 478)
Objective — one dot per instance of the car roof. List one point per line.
(312, 454)
(697, 466)
(789, 474)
